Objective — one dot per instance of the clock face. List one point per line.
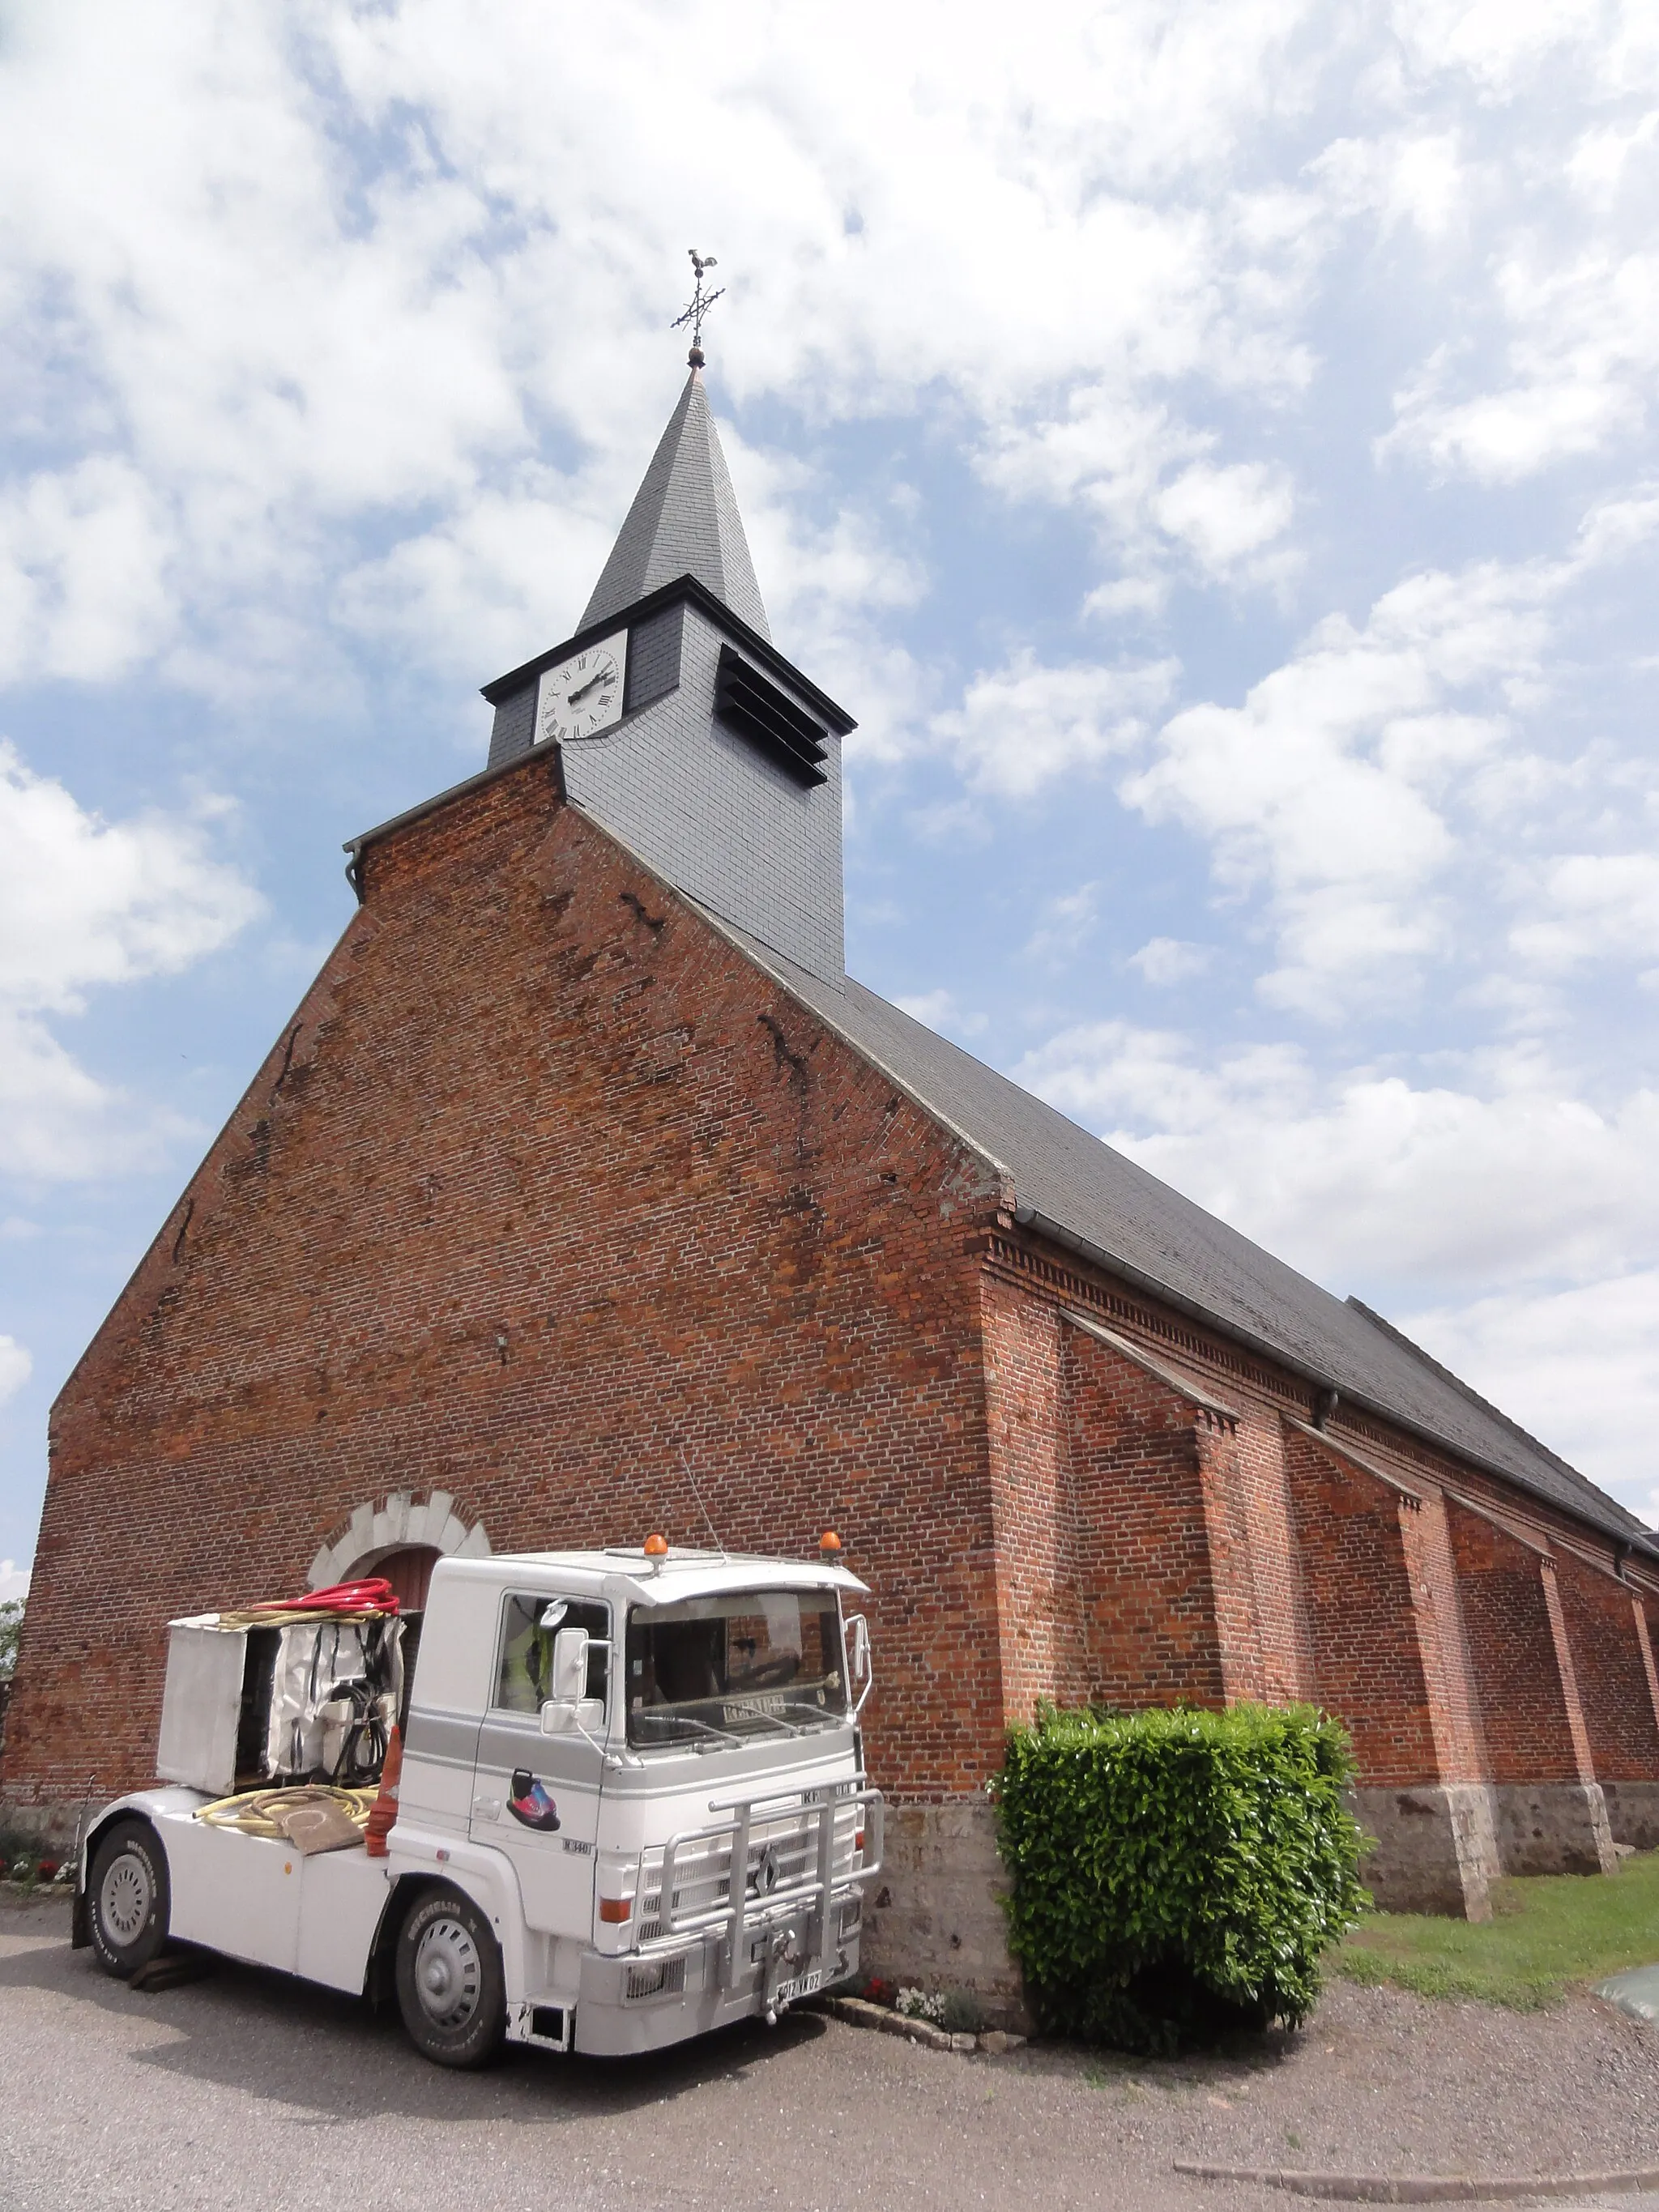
(580, 696)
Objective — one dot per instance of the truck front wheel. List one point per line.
(451, 1990)
(129, 1899)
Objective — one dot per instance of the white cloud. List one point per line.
(1322, 789)
(1146, 480)
(17, 1365)
(85, 903)
(1504, 44)
(311, 305)
(1594, 905)
(1163, 961)
(1578, 1367)
(278, 283)
(1366, 1172)
(1547, 341)
(1363, 789)
(1581, 360)
(1021, 726)
(939, 1010)
(1225, 515)
(1411, 176)
(1510, 1225)
(1066, 924)
(14, 1581)
(83, 557)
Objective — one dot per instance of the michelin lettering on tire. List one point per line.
(452, 1990)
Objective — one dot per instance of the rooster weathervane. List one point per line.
(700, 302)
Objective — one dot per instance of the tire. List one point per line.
(451, 1990)
(129, 1899)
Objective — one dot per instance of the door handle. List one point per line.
(486, 1808)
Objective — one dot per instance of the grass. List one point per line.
(1548, 1934)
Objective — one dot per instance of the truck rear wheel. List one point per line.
(128, 1898)
(451, 1988)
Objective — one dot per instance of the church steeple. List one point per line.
(684, 522)
(677, 724)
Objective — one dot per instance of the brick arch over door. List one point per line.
(401, 1524)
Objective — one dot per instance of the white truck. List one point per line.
(632, 1804)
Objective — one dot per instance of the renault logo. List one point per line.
(766, 1874)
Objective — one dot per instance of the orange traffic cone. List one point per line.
(384, 1811)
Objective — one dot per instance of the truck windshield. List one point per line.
(724, 1669)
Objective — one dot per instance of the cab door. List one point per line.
(535, 1796)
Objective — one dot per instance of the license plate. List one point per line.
(804, 1985)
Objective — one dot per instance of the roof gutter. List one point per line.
(1028, 1217)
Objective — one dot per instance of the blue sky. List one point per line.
(1209, 447)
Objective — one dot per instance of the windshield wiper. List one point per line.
(706, 1728)
(776, 1712)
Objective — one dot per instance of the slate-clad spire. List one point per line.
(684, 521)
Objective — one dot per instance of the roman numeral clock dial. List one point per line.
(581, 696)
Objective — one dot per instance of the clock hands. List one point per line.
(605, 676)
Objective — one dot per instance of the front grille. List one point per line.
(782, 1858)
(656, 1978)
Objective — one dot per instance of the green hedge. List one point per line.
(1177, 1872)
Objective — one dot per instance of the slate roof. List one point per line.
(1075, 1190)
(684, 521)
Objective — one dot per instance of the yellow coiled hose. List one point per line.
(255, 1811)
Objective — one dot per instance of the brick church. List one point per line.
(583, 1162)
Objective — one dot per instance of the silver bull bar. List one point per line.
(761, 1895)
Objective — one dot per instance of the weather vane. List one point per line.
(701, 301)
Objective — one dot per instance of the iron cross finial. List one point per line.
(701, 301)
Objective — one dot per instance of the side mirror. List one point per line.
(570, 1711)
(858, 1670)
(569, 1681)
(573, 1716)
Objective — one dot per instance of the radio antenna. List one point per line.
(707, 1515)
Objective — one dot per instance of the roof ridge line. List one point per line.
(1467, 1390)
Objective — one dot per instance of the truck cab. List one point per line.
(632, 1807)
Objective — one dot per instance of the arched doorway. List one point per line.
(408, 1568)
(403, 1541)
(408, 1571)
(422, 1529)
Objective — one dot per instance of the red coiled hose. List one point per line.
(375, 1594)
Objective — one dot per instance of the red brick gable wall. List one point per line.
(546, 1184)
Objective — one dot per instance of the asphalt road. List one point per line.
(248, 2090)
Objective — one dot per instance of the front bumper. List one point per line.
(747, 1917)
(645, 2000)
